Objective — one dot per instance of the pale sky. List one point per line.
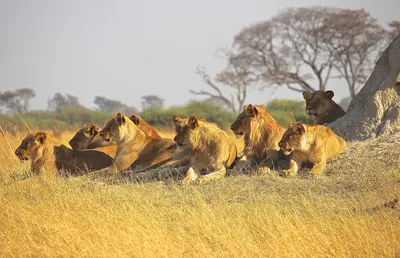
(126, 49)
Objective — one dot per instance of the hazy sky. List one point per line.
(126, 49)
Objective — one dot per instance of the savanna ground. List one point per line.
(239, 216)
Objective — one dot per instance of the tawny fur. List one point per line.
(135, 149)
(88, 138)
(320, 107)
(310, 144)
(211, 150)
(47, 155)
(144, 126)
(262, 134)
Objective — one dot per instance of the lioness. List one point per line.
(320, 107)
(88, 138)
(144, 126)
(211, 150)
(135, 149)
(310, 144)
(47, 155)
(262, 134)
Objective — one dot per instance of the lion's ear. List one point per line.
(176, 119)
(252, 110)
(119, 118)
(92, 129)
(135, 119)
(291, 124)
(41, 137)
(193, 122)
(329, 94)
(306, 94)
(299, 128)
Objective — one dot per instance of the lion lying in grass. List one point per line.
(88, 137)
(262, 134)
(135, 149)
(47, 156)
(212, 150)
(310, 144)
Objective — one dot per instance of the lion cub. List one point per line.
(320, 107)
(211, 150)
(310, 144)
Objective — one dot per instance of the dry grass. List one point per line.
(239, 216)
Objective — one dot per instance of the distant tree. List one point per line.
(18, 100)
(152, 101)
(303, 48)
(236, 75)
(356, 41)
(109, 105)
(59, 102)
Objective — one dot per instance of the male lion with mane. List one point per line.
(135, 149)
(49, 156)
(262, 134)
(310, 144)
(211, 150)
(320, 108)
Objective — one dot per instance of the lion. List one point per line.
(211, 150)
(320, 108)
(135, 149)
(144, 126)
(49, 156)
(262, 134)
(88, 138)
(173, 168)
(310, 144)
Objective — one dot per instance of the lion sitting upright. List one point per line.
(310, 144)
(320, 107)
(211, 150)
(262, 134)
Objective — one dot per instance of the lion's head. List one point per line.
(181, 122)
(84, 137)
(182, 137)
(144, 126)
(114, 128)
(292, 139)
(318, 102)
(32, 146)
(242, 124)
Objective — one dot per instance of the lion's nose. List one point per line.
(17, 152)
(280, 145)
(175, 138)
(232, 127)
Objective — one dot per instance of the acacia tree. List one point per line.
(152, 101)
(236, 75)
(59, 102)
(355, 39)
(18, 100)
(303, 48)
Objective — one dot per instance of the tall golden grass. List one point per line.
(239, 216)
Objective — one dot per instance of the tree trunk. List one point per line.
(375, 110)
